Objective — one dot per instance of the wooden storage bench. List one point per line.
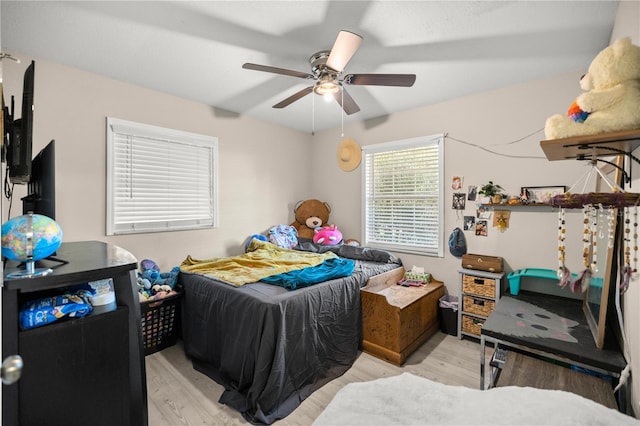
(397, 320)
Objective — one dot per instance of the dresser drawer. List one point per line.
(478, 306)
(479, 285)
(472, 324)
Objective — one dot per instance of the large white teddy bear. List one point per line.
(612, 98)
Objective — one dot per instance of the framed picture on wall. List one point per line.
(541, 194)
(473, 191)
(458, 201)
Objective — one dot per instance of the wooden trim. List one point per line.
(562, 149)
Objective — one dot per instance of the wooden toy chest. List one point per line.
(397, 320)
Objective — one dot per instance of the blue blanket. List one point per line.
(327, 270)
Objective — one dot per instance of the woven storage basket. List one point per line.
(472, 324)
(477, 306)
(479, 285)
(161, 323)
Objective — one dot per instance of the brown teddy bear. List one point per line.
(310, 214)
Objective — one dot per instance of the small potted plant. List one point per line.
(493, 191)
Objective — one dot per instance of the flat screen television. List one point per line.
(21, 133)
(41, 189)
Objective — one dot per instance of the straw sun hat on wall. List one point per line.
(349, 155)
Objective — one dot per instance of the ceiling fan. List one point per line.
(326, 70)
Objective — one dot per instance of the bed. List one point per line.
(271, 347)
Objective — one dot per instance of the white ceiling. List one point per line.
(195, 50)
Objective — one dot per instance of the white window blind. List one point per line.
(403, 195)
(159, 179)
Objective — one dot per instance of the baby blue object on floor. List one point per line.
(514, 277)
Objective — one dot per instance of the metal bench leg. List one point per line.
(482, 356)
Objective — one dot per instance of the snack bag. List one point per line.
(44, 311)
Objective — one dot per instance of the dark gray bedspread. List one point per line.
(270, 347)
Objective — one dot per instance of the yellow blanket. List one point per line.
(262, 259)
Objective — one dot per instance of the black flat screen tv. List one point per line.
(21, 133)
(41, 189)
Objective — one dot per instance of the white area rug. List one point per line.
(411, 400)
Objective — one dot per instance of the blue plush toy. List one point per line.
(151, 281)
(168, 278)
(257, 237)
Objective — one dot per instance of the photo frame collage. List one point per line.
(478, 223)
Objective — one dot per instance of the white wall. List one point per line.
(628, 25)
(263, 171)
(490, 120)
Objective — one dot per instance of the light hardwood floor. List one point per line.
(179, 395)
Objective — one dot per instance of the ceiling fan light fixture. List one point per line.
(326, 88)
(326, 70)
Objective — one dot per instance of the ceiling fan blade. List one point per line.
(346, 102)
(275, 70)
(291, 99)
(343, 49)
(404, 80)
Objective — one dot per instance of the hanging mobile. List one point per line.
(594, 238)
(635, 239)
(563, 272)
(627, 271)
(610, 230)
(586, 234)
(583, 281)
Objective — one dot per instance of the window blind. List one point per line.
(159, 179)
(403, 196)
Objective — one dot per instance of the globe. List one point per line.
(46, 237)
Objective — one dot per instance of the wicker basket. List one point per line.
(472, 324)
(479, 285)
(161, 323)
(477, 306)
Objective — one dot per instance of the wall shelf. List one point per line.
(600, 145)
(537, 207)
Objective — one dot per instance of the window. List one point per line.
(159, 179)
(403, 196)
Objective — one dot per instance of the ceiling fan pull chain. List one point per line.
(342, 113)
(313, 115)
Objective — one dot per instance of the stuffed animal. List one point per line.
(285, 236)
(612, 98)
(310, 215)
(257, 237)
(327, 236)
(149, 271)
(152, 282)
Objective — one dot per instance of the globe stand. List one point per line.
(30, 270)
